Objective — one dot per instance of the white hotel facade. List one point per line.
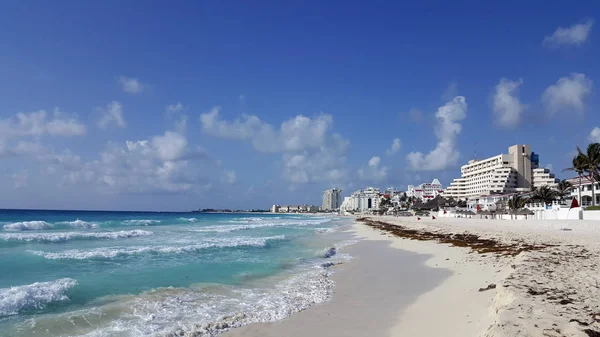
(514, 172)
(425, 191)
(332, 199)
(362, 200)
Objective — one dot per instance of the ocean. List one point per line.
(125, 274)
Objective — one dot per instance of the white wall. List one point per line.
(556, 213)
(591, 215)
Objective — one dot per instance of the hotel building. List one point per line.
(517, 171)
(332, 199)
(362, 200)
(584, 187)
(542, 176)
(426, 191)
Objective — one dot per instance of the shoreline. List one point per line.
(508, 278)
(378, 276)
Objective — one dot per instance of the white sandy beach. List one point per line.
(550, 290)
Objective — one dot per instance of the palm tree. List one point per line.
(544, 194)
(564, 188)
(590, 163)
(384, 205)
(517, 202)
(577, 166)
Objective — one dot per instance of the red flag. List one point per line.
(445, 212)
(478, 208)
(432, 217)
(418, 218)
(574, 203)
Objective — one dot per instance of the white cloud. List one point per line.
(242, 128)
(161, 164)
(595, 135)
(507, 107)
(576, 34)
(310, 152)
(396, 145)
(38, 124)
(131, 85)
(373, 172)
(327, 164)
(230, 177)
(170, 147)
(447, 130)
(374, 162)
(25, 148)
(174, 108)
(568, 94)
(112, 114)
(295, 134)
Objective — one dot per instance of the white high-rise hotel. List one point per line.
(332, 199)
(516, 171)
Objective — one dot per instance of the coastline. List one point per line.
(369, 292)
(507, 278)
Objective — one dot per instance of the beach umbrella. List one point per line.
(484, 212)
(470, 213)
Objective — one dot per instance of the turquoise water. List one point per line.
(66, 273)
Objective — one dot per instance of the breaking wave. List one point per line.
(188, 219)
(80, 224)
(325, 230)
(68, 236)
(115, 252)
(27, 225)
(141, 222)
(33, 296)
(281, 223)
(204, 311)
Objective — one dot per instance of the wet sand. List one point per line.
(371, 292)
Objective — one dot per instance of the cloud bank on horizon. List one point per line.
(190, 138)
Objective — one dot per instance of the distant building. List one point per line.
(501, 174)
(392, 192)
(426, 191)
(362, 201)
(583, 187)
(543, 177)
(332, 199)
(294, 209)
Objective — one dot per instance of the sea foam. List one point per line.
(141, 222)
(188, 219)
(80, 224)
(254, 224)
(68, 236)
(205, 312)
(27, 225)
(33, 296)
(114, 252)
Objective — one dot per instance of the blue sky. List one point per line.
(181, 105)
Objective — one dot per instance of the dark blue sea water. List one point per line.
(80, 273)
